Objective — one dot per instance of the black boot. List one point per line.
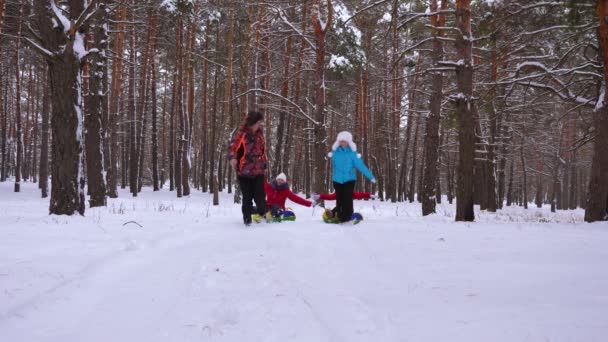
(247, 220)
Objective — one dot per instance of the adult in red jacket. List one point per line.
(278, 192)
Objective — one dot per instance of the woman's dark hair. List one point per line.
(252, 118)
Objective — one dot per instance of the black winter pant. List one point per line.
(253, 189)
(344, 200)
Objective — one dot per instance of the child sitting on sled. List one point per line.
(277, 192)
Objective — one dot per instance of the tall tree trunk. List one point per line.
(3, 113)
(538, 199)
(523, 168)
(67, 190)
(205, 148)
(510, 188)
(490, 164)
(19, 133)
(431, 140)
(95, 107)
(189, 130)
(278, 162)
(155, 171)
(229, 120)
(114, 111)
(395, 107)
(133, 159)
(408, 131)
(164, 157)
(319, 129)
(596, 208)
(213, 180)
(464, 104)
(179, 109)
(44, 143)
(36, 131)
(25, 172)
(573, 183)
(412, 189)
(148, 55)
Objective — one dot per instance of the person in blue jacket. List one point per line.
(344, 162)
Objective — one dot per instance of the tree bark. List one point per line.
(133, 158)
(320, 87)
(596, 208)
(524, 187)
(278, 161)
(205, 148)
(3, 112)
(155, 171)
(19, 132)
(408, 131)
(213, 180)
(464, 104)
(431, 140)
(115, 95)
(67, 191)
(95, 108)
(44, 143)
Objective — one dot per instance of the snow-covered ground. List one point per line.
(192, 272)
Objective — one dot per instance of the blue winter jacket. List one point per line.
(344, 162)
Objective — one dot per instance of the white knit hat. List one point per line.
(282, 177)
(343, 136)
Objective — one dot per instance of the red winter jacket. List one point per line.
(277, 194)
(356, 196)
(249, 149)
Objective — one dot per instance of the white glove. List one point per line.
(373, 181)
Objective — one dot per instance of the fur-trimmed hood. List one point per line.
(343, 136)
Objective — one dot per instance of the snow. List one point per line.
(79, 48)
(535, 64)
(386, 18)
(338, 61)
(192, 272)
(169, 5)
(343, 15)
(65, 22)
(40, 48)
(600, 104)
(341, 12)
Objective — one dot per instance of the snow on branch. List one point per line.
(535, 5)
(422, 15)
(368, 7)
(564, 94)
(281, 13)
(601, 103)
(557, 27)
(41, 50)
(444, 28)
(264, 91)
(319, 25)
(452, 63)
(560, 72)
(61, 19)
(88, 14)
